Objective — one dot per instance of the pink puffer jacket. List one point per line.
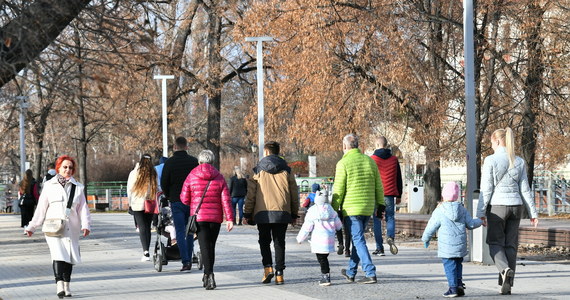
(217, 201)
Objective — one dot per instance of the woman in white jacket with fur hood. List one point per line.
(504, 194)
(53, 203)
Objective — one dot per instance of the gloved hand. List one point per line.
(380, 211)
(426, 244)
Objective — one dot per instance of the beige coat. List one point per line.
(272, 198)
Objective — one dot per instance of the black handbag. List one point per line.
(192, 225)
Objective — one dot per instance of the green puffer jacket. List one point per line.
(357, 185)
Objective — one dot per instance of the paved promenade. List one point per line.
(112, 269)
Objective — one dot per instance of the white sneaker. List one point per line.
(146, 256)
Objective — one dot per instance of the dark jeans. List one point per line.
(324, 262)
(143, 220)
(207, 236)
(62, 271)
(238, 201)
(347, 239)
(453, 271)
(503, 234)
(180, 215)
(272, 232)
(27, 212)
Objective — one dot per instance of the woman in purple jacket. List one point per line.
(216, 203)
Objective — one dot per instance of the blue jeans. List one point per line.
(239, 202)
(390, 223)
(357, 225)
(180, 215)
(453, 271)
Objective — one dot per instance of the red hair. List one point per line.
(63, 158)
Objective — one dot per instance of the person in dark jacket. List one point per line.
(28, 195)
(272, 202)
(238, 191)
(174, 172)
(391, 175)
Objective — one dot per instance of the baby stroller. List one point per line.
(164, 251)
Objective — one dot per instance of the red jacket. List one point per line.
(217, 201)
(390, 173)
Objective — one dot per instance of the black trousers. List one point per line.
(324, 262)
(27, 212)
(144, 221)
(207, 236)
(347, 237)
(62, 271)
(272, 232)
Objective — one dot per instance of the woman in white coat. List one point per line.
(53, 202)
(505, 192)
(141, 186)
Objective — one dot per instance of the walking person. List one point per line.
(505, 192)
(238, 191)
(51, 172)
(358, 190)
(206, 192)
(322, 223)
(63, 198)
(142, 187)
(391, 175)
(450, 219)
(28, 195)
(174, 173)
(272, 203)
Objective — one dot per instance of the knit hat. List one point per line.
(321, 197)
(450, 191)
(315, 187)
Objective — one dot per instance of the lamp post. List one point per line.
(260, 110)
(253, 152)
(23, 106)
(164, 113)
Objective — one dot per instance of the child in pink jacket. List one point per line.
(323, 222)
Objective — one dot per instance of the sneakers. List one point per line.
(451, 293)
(393, 248)
(279, 278)
(461, 289)
(186, 267)
(267, 274)
(348, 278)
(340, 249)
(347, 253)
(146, 256)
(153, 229)
(507, 280)
(378, 252)
(367, 280)
(325, 279)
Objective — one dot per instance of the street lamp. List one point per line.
(164, 113)
(253, 152)
(260, 112)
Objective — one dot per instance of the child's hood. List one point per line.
(323, 212)
(452, 210)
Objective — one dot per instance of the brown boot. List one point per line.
(267, 274)
(279, 278)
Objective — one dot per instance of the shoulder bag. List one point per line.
(55, 227)
(192, 226)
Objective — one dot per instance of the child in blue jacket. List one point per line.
(450, 219)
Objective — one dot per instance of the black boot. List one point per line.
(211, 282)
(205, 280)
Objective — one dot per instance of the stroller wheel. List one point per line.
(158, 256)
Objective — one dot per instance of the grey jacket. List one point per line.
(503, 186)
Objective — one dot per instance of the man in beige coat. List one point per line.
(272, 203)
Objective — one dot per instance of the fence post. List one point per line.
(550, 196)
(108, 197)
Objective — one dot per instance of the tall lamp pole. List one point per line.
(260, 110)
(23, 106)
(469, 65)
(164, 113)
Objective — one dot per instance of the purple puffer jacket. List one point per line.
(217, 201)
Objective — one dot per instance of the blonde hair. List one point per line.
(146, 178)
(238, 172)
(506, 136)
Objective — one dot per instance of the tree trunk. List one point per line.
(214, 84)
(432, 179)
(30, 32)
(533, 85)
(82, 138)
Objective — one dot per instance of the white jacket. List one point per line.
(136, 202)
(52, 204)
(503, 186)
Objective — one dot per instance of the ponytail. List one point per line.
(510, 145)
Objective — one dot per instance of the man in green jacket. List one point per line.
(357, 191)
